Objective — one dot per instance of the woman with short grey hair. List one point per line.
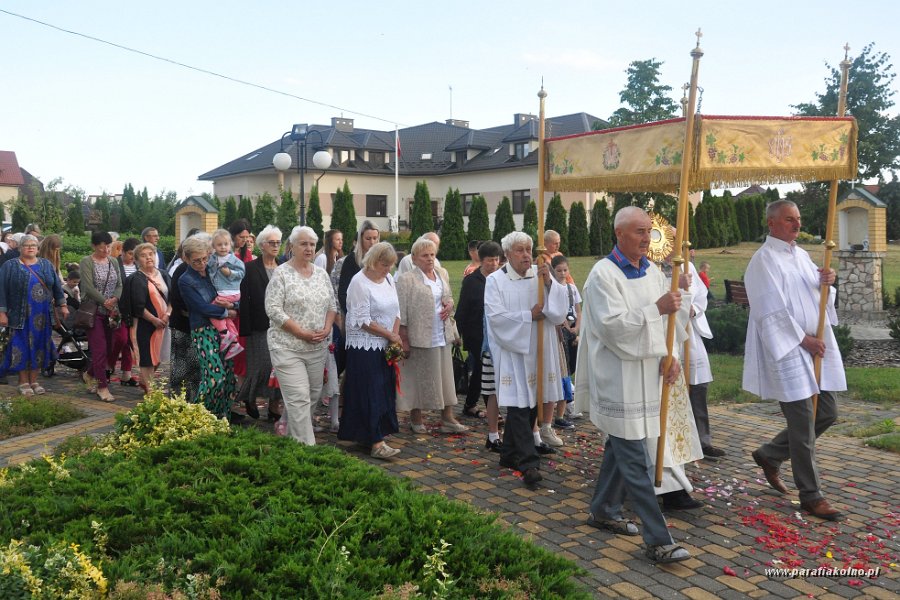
(301, 307)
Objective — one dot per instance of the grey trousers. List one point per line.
(797, 442)
(625, 471)
(518, 439)
(697, 394)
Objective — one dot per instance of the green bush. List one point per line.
(894, 326)
(270, 518)
(729, 326)
(845, 341)
(19, 415)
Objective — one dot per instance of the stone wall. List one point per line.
(859, 287)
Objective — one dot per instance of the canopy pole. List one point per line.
(686, 256)
(542, 179)
(829, 233)
(678, 260)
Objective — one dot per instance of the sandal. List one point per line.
(618, 526)
(475, 413)
(105, 395)
(38, 389)
(668, 553)
(25, 390)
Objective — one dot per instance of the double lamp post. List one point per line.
(299, 134)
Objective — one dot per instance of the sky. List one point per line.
(100, 117)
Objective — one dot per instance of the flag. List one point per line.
(397, 143)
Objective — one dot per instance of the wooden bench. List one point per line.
(736, 293)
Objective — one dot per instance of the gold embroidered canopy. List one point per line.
(727, 152)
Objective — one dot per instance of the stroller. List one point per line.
(71, 350)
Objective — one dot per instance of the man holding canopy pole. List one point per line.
(783, 288)
(621, 361)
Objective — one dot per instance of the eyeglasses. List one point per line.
(199, 261)
(273, 242)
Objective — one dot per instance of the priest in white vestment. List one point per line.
(511, 314)
(783, 287)
(620, 359)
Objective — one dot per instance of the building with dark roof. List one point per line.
(494, 162)
(11, 178)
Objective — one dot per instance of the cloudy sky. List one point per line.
(100, 116)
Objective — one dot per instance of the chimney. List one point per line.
(341, 124)
(457, 123)
(520, 119)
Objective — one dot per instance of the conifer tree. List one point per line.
(530, 219)
(286, 217)
(692, 225)
(102, 206)
(601, 229)
(313, 215)
(503, 220)
(556, 220)
(422, 216)
(21, 214)
(264, 213)
(579, 241)
(343, 215)
(229, 214)
(75, 217)
(453, 232)
(479, 224)
(245, 209)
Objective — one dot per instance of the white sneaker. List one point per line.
(549, 436)
(571, 414)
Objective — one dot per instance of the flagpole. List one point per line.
(678, 260)
(825, 291)
(542, 176)
(397, 174)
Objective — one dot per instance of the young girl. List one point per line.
(226, 271)
(568, 337)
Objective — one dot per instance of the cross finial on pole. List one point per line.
(846, 50)
(699, 35)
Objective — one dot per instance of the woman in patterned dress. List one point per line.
(373, 322)
(301, 307)
(217, 383)
(28, 287)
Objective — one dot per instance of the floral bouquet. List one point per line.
(393, 354)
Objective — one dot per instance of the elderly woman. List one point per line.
(426, 302)
(185, 366)
(146, 301)
(217, 384)
(102, 284)
(255, 325)
(28, 287)
(301, 308)
(373, 322)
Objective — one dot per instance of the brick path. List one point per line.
(743, 530)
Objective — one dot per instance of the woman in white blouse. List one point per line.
(426, 302)
(372, 323)
(301, 306)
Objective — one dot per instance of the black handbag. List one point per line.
(460, 371)
(84, 316)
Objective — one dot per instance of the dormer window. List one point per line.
(460, 157)
(376, 159)
(522, 149)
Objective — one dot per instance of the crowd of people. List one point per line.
(371, 336)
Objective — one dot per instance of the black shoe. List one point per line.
(507, 464)
(252, 409)
(273, 416)
(532, 476)
(494, 446)
(130, 382)
(713, 452)
(235, 418)
(544, 448)
(679, 500)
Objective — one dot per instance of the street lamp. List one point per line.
(299, 134)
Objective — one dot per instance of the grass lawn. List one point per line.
(19, 415)
(725, 263)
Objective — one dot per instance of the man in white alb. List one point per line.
(783, 286)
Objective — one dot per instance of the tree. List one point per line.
(265, 213)
(692, 223)
(644, 97)
(601, 229)
(286, 217)
(343, 214)
(479, 224)
(422, 218)
(869, 92)
(813, 204)
(313, 214)
(102, 206)
(126, 208)
(734, 231)
(75, 217)
(890, 195)
(530, 217)
(579, 242)
(49, 212)
(21, 213)
(503, 220)
(556, 220)
(245, 209)
(229, 214)
(453, 231)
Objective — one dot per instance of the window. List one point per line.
(520, 199)
(460, 158)
(376, 159)
(522, 150)
(467, 203)
(376, 206)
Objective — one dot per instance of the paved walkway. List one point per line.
(744, 529)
